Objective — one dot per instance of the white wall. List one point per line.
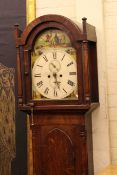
(110, 15)
(61, 7)
(94, 11)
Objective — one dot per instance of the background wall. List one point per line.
(10, 14)
(102, 14)
(62, 7)
(110, 16)
(94, 11)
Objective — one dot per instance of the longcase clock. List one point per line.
(57, 87)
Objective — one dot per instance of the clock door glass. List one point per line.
(54, 68)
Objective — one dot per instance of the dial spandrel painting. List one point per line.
(54, 68)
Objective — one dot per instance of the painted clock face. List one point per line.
(55, 74)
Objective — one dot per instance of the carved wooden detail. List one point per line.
(58, 154)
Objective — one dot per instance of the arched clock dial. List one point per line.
(54, 74)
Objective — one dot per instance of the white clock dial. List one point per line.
(54, 74)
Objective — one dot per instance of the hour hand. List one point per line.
(58, 84)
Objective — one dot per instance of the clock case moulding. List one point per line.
(83, 39)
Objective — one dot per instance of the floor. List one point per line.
(110, 170)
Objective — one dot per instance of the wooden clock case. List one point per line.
(59, 135)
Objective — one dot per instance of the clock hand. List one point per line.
(57, 82)
(55, 66)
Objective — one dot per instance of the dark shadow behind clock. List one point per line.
(12, 12)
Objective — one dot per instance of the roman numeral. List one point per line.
(45, 58)
(54, 55)
(72, 73)
(46, 91)
(55, 93)
(39, 84)
(63, 57)
(37, 75)
(70, 64)
(71, 83)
